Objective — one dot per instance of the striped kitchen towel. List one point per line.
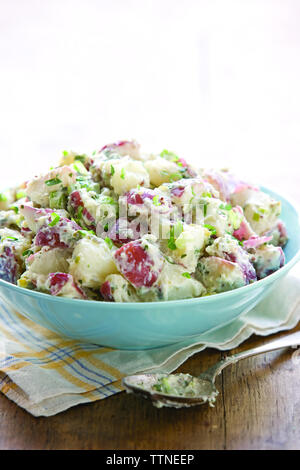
(46, 374)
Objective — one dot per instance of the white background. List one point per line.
(217, 82)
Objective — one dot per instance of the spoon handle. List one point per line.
(278, 343)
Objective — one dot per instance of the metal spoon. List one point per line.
(195, 390)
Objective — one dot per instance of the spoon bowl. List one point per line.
(178, 394)
(184, 390)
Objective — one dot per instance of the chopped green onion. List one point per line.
(256, 217)
(57, 200)
(178, 228)
(79, 212)
(27, 253)
(80, 158)
(53, 182)
(171, 241)
(20, 195)
(261, 210)
(122, 174)
(175, 177)
(112, 170)
(211, 228)
(187, 275)
(169, 259)
(109, 242)
(3, 198)
(84, 233)
(169, 156)
(79, 167)
(156, 201)
(55, 218)
(14, 208)
(107, 200)
(225, 207)
(11, 238)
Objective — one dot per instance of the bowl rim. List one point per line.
(206, 299)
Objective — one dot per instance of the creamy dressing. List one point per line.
(131, 227)
(178, 386)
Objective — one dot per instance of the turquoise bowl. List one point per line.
(150, 325)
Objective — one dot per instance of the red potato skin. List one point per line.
(106, 292)
(136, 265)
(118, 233)
(122, 147)
(58, 280)
(51, 236)
(8, 266)
(142, 196)
(76, 202)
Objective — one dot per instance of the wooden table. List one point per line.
(258, 408)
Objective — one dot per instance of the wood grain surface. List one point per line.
(258, 408)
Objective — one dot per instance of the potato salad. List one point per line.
(120, 225)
